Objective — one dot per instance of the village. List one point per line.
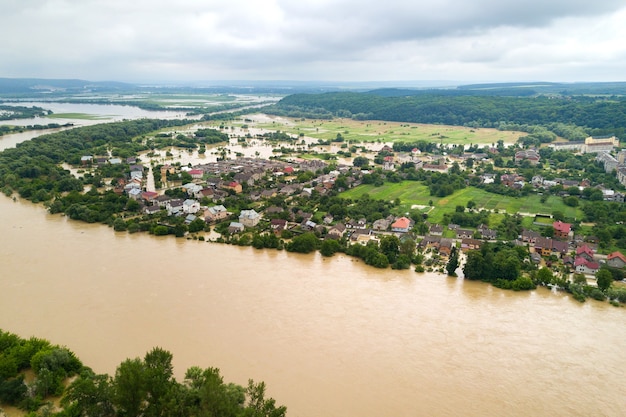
(262, 196)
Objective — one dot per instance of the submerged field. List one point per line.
(379, 131)
(415, 196)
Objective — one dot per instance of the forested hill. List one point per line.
(599, 115)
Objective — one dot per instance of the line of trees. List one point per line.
(598, 115)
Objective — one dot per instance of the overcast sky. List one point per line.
(338, 40)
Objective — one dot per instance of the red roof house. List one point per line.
(616, 260)
(561, 230)
(401, 224)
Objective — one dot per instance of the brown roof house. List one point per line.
(616, 260)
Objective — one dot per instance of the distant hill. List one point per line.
(35, 86)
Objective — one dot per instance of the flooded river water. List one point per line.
(331, 337)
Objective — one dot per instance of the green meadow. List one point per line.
(380, 131)
(414, 196)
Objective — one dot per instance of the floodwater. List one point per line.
(330, 337)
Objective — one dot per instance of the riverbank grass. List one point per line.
(78, 116)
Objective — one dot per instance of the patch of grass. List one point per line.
(413, 193)
(79, 116)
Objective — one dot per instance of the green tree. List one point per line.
(453, 262)
(129, 388)
(89, 395)
(329, 247)
(305, 243)
(473, 268)
(604, 279)
(258, 405)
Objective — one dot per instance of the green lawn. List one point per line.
(413, 194)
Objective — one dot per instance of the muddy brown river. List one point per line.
(330, 337)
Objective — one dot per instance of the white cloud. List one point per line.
(315, 39)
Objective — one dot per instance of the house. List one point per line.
(249, 218)
(190, 218)
(616, 260)
(436, 229)
(381, 224)
(401, 225)
(278, 225)
(174, 206)
(584, 251)
(445, 247)
(149, 195)
(234, 186)
(559, 248)
(235, 227)
(196, 174)
(583, 266)
(134, 193)
(464, 233)
(486, 232)
(470, 244)
(215, 213)
(561, 230)
(530, 236)
(86, 159)
(530, 155)
(337, 231)
(543, 246)
(151, 209)
(430, 242)
(191, 206)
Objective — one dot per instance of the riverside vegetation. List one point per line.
(145, 387)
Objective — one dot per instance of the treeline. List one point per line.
(140, 387)
(21, 112)
(598, 115)
(33, 169)
(6, 130)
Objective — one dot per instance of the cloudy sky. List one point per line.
(338, 40)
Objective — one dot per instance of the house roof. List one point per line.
(617, 255)
(582, 261)
(562, 227)
(401, 223)
(584, 249)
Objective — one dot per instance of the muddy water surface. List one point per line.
(331, 337)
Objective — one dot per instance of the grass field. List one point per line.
(78, 116)
(413, 194)
(375, 131)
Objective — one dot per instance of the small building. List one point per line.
(337, 231)
(616, 260)
(401, 225)
(561, 230)
(249, 218)
(215, 213)
(235, 227)
(436, 229)
(191, 206)
(584, 266)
